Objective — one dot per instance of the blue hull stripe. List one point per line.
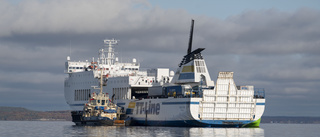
(175, 103)
(193, 123)
(163, 103)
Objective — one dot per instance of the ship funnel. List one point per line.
(193, 69)
(190, 38)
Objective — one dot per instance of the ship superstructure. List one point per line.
(82, 75)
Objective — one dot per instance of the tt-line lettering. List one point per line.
(152, 108)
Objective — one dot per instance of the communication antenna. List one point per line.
(69, 47)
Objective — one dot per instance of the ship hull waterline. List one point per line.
(185, 113)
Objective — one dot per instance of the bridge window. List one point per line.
(186, 76)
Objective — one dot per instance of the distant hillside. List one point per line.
(288, 120)
(13, 109)
(22, 114)
(18, 113)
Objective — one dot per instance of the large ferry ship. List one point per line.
(160, 97)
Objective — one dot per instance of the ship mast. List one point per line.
(108, 48)
(101, 80)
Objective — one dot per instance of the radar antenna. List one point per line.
(109, 58)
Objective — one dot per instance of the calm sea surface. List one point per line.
(67, 129)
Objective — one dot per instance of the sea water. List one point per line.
(68, 129)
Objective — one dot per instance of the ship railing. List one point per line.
(259, 93)
(138, 81)
(125, 74)
(119, 75)
(141, 73)
(127, 64)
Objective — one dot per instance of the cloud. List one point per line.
(266, 32)
(34, 17)
(80, 17)
(32, 77)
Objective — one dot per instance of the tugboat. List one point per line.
(101, 111)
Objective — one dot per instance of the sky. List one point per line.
(273, 45)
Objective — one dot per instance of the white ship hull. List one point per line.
(77, 89)
(184, 112)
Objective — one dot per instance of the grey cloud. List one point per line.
(34, 17)
(267, 32)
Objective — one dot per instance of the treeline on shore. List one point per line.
(23, 114)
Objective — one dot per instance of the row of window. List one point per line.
(199, 63)
(186, 76)
(105, 68)
(81, 94)
(201, 69)
(121, 93)
(75, 67)
(129, 69)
